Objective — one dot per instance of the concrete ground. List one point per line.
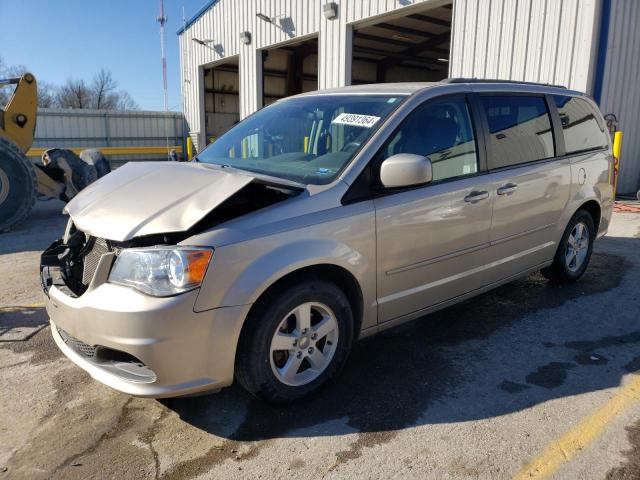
(529, 381)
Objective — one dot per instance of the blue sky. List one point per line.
(58, 39)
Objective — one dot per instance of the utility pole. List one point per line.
(162, 20)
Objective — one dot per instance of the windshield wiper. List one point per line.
(225, 166)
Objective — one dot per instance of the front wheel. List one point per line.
(18, 185)
(574, 251)
(295, 342)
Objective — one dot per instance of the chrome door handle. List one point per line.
(507, 189)
(476, 196)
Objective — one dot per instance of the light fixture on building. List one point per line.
(443, 60)
(245, 37)
(282, 21)
(202, 42)
(330, 10)
(263, 17)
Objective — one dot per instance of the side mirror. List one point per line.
(405, 170)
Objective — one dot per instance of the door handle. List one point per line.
(507, 189)
(476, 196)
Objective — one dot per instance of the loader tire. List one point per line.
(75, 172)
(18, 185)
(93, 156)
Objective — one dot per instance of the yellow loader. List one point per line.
(60, 175)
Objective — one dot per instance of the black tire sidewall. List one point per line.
(21, 185)
(258, 376)
(584, 217)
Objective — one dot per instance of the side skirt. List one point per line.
(447, 303)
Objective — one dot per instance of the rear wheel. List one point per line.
(295, 342)
(574, 252)
(17, 185)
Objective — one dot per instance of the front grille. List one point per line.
(96, 248)
(78, 346)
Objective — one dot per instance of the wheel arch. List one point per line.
(595, 210)
(333, 273)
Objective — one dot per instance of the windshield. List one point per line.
(306, 139)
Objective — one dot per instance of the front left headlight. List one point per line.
(161, 271)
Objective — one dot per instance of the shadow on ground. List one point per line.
(20, 323)
(44, 225)
(485, 357)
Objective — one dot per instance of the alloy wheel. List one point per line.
(577, 247)
(304, 344)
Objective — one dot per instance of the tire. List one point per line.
(569, 263)
(77, 173)
(17, 185)
(281, 376)
(95, 158)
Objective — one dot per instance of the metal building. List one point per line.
(104, 129)
(240, 55)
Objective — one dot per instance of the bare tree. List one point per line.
(7, 71)
(103, 91)
(5, 94)
(125, 102)
(100, 94)
(47, 95)
(74, 94)
(46, 91)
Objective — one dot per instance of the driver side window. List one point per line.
(441, 131)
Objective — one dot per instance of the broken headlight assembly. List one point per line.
(161, 271)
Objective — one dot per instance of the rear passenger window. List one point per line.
(441, 131)
(582, 131)
(519, 129)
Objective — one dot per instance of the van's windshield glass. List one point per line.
(306, 139)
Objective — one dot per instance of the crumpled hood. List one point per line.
(144, 198)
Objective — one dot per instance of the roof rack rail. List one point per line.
(495, 80)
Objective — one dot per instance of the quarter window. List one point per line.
(580, 126)
(519, 129)
(442, 132)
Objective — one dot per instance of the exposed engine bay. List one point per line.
(72, 261)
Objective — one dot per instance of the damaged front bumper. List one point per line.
(138, 344)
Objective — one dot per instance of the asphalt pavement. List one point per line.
(531, 380)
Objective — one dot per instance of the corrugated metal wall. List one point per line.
(222, 24)
(65, 128)
(226, 19)
(621, 87)
(548, 41)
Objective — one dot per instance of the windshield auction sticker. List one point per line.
(356, 120)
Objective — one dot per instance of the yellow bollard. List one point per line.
(617, 147)
(305, 148)
(189, 149)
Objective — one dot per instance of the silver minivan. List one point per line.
(324, 218)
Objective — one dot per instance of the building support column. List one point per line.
(251, 80)
(335, 45)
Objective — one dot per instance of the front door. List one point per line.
(432, 240)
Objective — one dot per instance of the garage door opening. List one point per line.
(289, 70)
(221, 98)
(413, 48)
